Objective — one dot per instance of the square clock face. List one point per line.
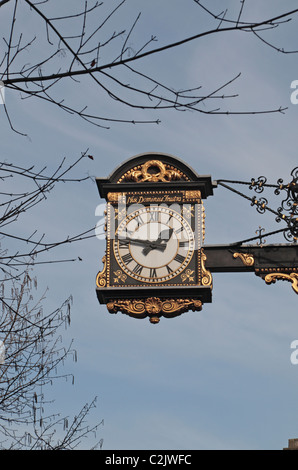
(154, 240)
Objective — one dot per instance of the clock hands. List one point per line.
(160, 243)
(149, 245)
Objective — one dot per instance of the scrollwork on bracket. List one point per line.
(292, 277)
(154, 307)
(246, 258)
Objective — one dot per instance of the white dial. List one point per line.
(154, 244)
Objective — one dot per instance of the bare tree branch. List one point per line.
(33, 353)
(82, 55)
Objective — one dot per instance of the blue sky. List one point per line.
(217, 379)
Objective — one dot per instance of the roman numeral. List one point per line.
(123, 243)
(169, 269)
(179, 258)
(127, 258)
(138, 269)
(184, 244)
(154, 216)
(180, 229)
(153, 272)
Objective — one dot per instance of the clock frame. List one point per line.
(154, 264)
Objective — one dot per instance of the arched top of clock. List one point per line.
(151, 170)
(153, 167)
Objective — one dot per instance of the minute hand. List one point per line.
(147, 243)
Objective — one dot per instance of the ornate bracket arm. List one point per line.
(292, 277)
(269, 277)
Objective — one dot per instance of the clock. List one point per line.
(154, 244)
(154, 262)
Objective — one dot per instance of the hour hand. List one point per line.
(146, 243)
(154, 246)
(160, 243)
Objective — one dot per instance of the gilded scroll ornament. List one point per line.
(154, 307)
(292, 277)
(135, 307)
(181, 305)
(152, 170)
(246, 258)
(206, 275)
(101, 276)
(116, 197)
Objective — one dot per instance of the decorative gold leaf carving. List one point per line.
(179, 305)
(292, 277)
(127, 306)
(152, 170)
(194, 194)
(154, 307)
(101, 276)
(203, 221)
(114, 197)
(246, 258)
(187, 276)
(120, 276)
(206, 275)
